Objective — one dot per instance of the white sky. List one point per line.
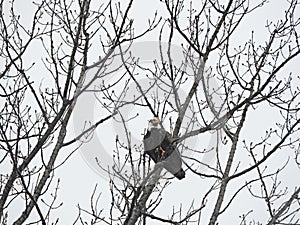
(78, 179)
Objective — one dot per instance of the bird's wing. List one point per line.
(173, 160)
(153, 139)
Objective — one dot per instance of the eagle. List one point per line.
(160, 146)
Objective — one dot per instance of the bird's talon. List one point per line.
(162, 151)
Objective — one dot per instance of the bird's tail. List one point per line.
(180, 174)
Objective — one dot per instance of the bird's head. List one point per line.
(154, 123)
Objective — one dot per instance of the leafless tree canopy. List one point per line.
(214, 78)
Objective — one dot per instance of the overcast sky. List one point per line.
(78, 176)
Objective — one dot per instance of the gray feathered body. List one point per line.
(158, 144)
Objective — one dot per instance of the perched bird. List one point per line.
(159, 145)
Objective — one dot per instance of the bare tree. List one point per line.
(36, 110)
(230, 79)
(215, 85)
